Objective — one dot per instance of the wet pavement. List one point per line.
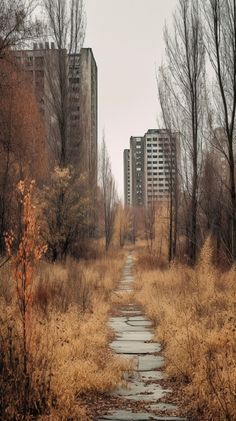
(134, 335)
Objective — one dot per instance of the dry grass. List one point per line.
(194, 315)
(69, 351)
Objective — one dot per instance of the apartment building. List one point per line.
(79, 117)
(160, 163)
(153, 161)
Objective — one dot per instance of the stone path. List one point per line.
(134, 334)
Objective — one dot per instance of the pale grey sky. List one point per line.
(127, 40)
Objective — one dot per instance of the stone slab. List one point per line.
(124, 327)
(139, 391)
(126, 416)
(154, 375)
(135, 347)
(139, 322)
(150, 362)
(145, 335)
(119, 319)
(121, 415)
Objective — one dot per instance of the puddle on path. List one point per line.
(134, 334)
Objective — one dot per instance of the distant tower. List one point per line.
(160, 158)
(153, 161)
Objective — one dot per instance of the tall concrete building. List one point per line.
(88, 112)
(153, 160)
(80, 108)
(127, 191)
(160, 163)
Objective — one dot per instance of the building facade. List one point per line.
(88, 121)
(74, 107)
(160, 164)
(153, 166)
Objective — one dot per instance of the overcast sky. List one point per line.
(127, 40)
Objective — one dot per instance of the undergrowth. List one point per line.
(68, 351)
(194, 314)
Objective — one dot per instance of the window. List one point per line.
(39, 74)
(74, 89)
(31, 75)
(29, 61)
(74, 79)
(39, 61)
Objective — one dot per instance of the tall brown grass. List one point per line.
(69, 353)
(194, 314)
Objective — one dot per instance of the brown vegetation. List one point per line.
(54, 339)
(194, 315)
(68, 353)
(23, 149)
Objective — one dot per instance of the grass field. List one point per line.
(195, 319)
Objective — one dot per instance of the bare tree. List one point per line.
(220, 18)
(186, 62)
(109, 195)
(66, 27)
(16, 25)
(150, 220)
(214, 201)
(168, 113)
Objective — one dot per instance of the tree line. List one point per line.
(197, 93)
(70, 211)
